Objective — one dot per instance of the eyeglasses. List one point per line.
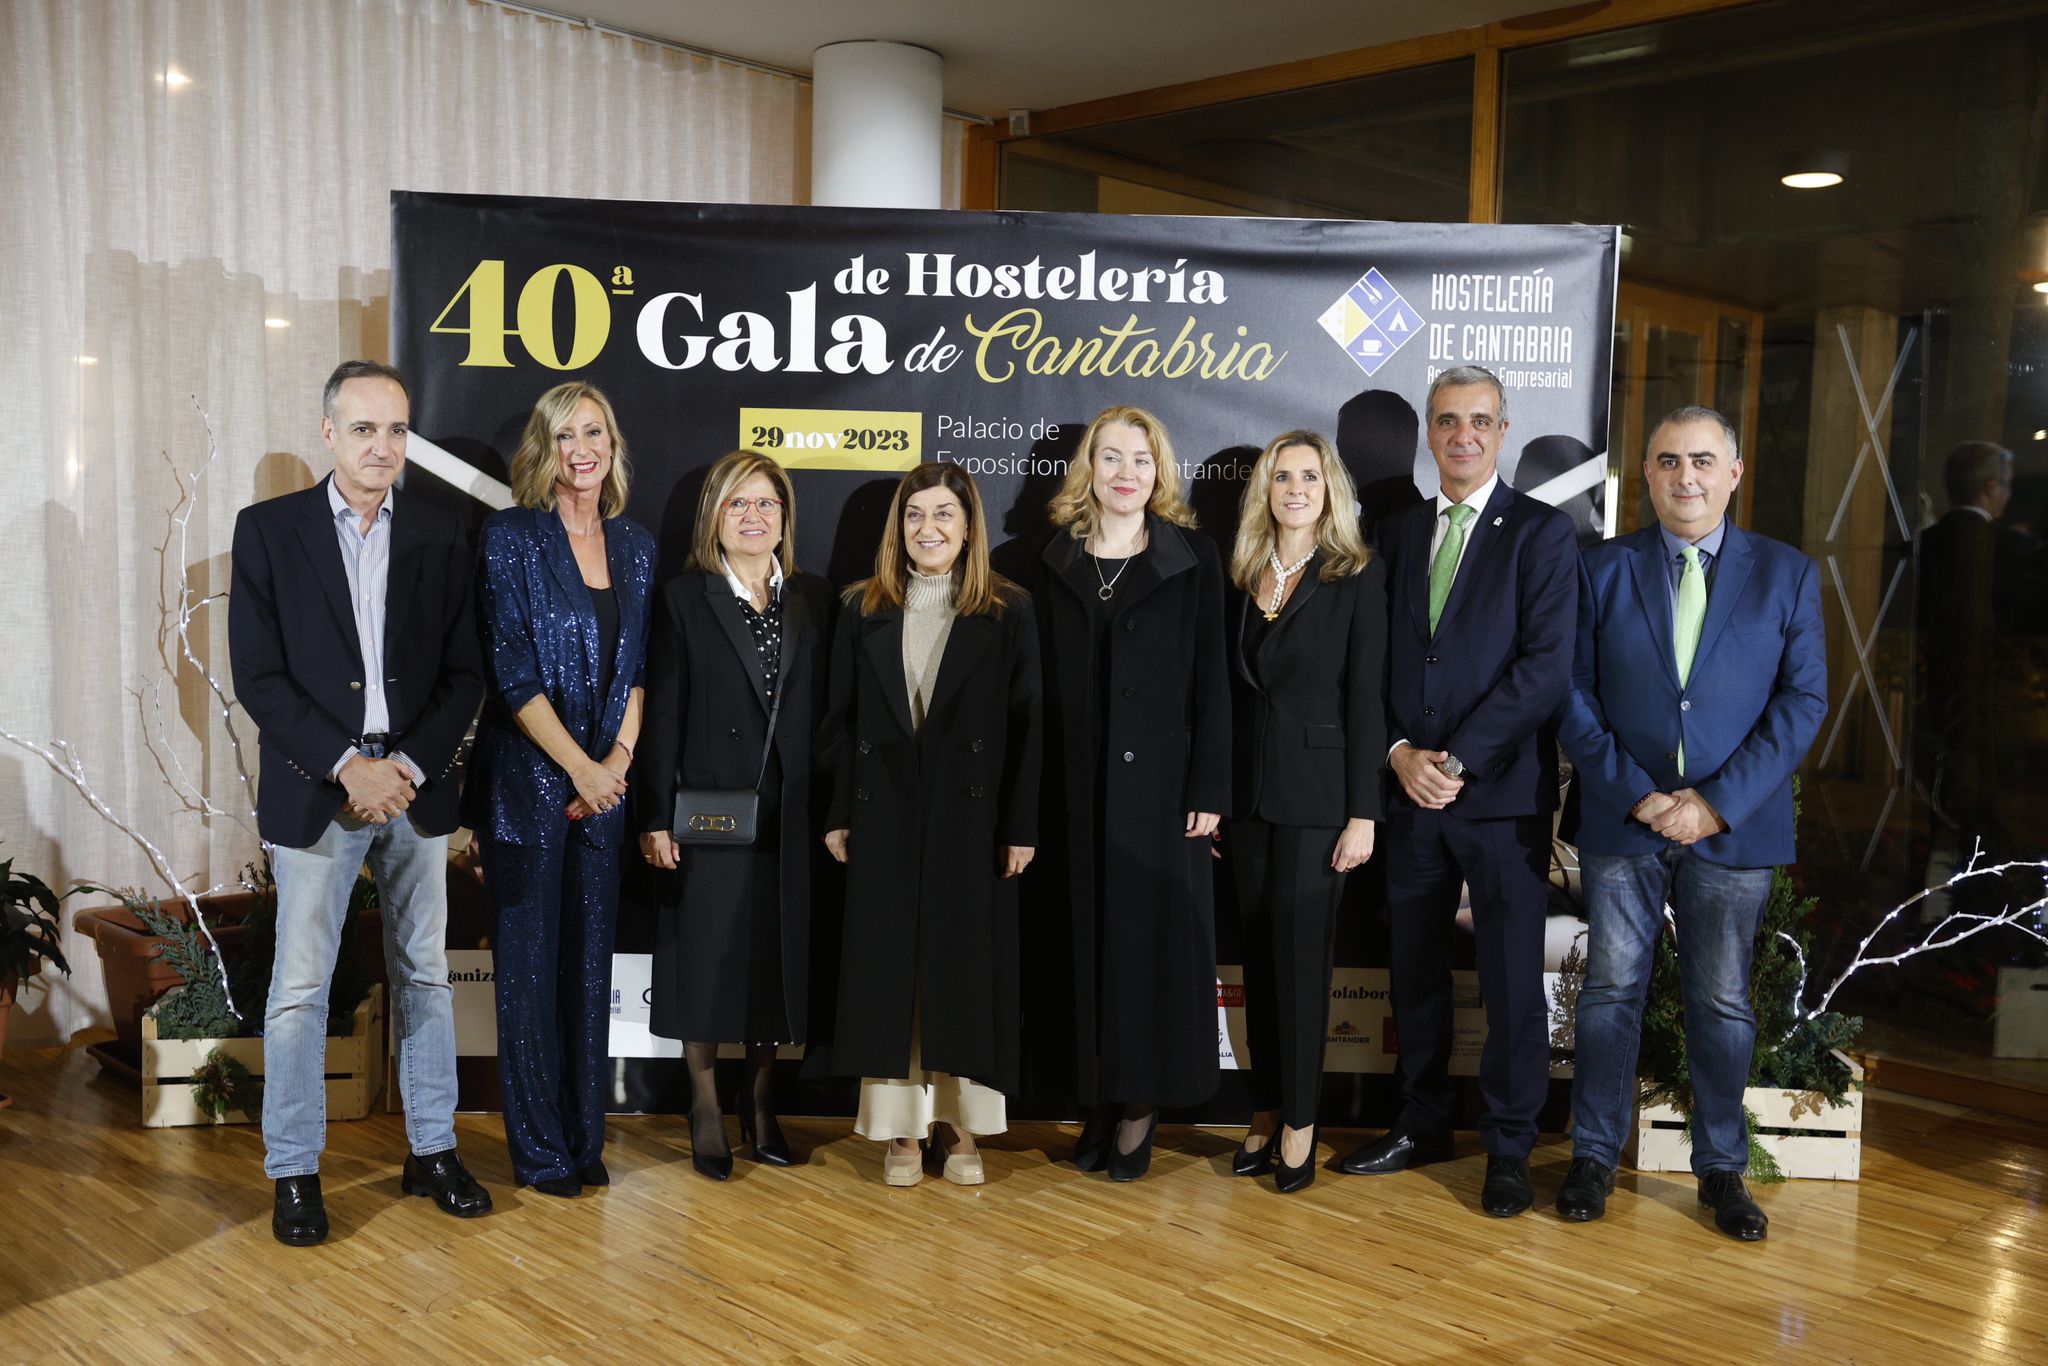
(737, 507)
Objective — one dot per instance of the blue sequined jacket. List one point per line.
(540, 637)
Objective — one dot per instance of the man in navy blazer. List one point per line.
(1699, 683)
(1480, 630)
(354, 651)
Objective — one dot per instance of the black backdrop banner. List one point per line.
(853, 343)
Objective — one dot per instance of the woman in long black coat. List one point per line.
(738, 632)
(932, 736)
(1130, 601)
(1308, 635)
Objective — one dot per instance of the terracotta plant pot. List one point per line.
(135, 977)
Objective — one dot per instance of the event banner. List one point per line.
(851, 344)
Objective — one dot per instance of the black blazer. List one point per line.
(1310, 702)
(1488, 684)
(298, 668)
(704, 721)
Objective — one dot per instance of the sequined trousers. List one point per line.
(554, 915)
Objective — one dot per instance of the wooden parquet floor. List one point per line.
(120, 1244)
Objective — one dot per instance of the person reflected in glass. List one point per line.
(738, 639)
(932, 738)
(562, 597)
(1307, 627)
(1130, 601)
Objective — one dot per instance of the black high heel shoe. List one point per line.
(1244, 1163)
(770, 1152)
(716, 1166)
(1091, 1149)
(1129, 1166)
(1291, 1179)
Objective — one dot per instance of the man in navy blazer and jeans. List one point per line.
(1480, 631)
(1699, 684)
(355, 652)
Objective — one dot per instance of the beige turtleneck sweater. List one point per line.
(927, 621)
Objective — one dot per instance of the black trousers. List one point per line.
(1287, 897)
(1506, 862)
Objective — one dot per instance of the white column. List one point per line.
(876, 119)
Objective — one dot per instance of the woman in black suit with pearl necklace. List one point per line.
(1307, 627)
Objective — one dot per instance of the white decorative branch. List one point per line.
(60, 756)
(1953, 928)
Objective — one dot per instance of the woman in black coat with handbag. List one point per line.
(1130, 603)
(932, 737)
(738, 642)
(1308, 636)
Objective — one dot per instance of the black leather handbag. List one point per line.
(725, 816)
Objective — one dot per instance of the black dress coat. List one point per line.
(1309, 702)
(928, 920)
(1123, 971)
(704, 725)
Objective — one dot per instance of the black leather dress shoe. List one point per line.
(1583, 1196)
(595, 1174)
(1735, 1214)
(1288, 1179)
(1397, 1151)
(1259, 1163)
(561, 1187)
(443, 1176)
(1507, 1191)
(300, 1216)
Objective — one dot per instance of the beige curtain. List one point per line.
(198, 206)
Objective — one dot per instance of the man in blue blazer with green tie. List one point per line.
(1698, 685)
(1479, 648)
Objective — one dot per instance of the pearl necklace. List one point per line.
(1281, 574)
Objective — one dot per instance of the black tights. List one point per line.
(707, 1115)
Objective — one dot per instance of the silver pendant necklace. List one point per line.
(1108, 588)
(1281, 574)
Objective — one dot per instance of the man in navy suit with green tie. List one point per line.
(1698, 684)
(1479, 647)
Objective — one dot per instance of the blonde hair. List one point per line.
(977, 588)
(538, 464)
(1337, 535)
(1074, 506)
(732, 470)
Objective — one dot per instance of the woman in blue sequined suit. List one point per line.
(563, 603)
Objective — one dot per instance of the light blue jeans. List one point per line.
(313, 886)
(1716, 911)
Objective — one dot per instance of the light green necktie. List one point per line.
(1444, 568)
(1686, 624)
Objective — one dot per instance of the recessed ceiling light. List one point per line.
(277, 322)
(2041, 435)
(2041, 286)
(174, 78)
(88, 360)
(1809, 169)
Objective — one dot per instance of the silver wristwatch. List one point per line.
(1453, 766)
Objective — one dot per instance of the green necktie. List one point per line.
(1685, 626)
(1444, 568)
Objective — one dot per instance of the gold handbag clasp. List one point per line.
(722, 825)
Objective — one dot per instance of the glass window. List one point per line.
(1392, 146)
(1878, 340)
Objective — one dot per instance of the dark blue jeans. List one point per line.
(1716, 911)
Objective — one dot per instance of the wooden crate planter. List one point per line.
(1806, 1136)
(355, 1071)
